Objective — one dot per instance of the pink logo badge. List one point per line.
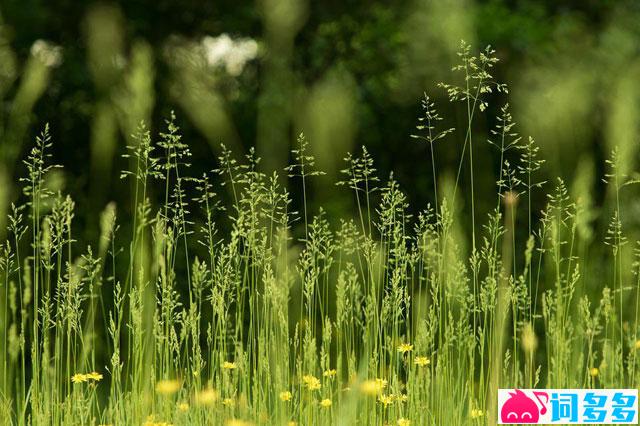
(519, 408)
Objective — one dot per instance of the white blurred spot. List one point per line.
(233, 55)
(48, 53)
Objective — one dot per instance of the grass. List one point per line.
(193, 312)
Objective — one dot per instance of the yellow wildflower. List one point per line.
(183, 406)
(386, 399)
(403, 397)
(229, 365)
(404, 348)
(236, 422)
(206, 397)
(329, 373)
(422, 361)
(285, 396)
(167, 387)
(311, 382)
(94, 376)
(325, 403)
(476, 413)
(637, 345)
(403, 422)
(228, 402)
(594, 372)
(79, 378)
(292, 423)
(151, 421)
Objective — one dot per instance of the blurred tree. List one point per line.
(347, 72)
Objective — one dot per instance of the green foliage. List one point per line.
(192, 313)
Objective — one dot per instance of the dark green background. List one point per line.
(374, 46)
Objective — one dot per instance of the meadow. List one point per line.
(194, 311)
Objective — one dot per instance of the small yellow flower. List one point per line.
(404, 348)
(476, 413)
(386, 399)
(403, 422)
(403, 397)
(422, 361)
(206, 397)
(79, 378)
(167, 387)
(325, 403)
(151, 421)
(183, 406)
(229, 365)
(94, 376)
(228, 402)
(329, 373)
(311, 382)
(285, 396)
(236, 422)
(594, 372)
(637, 344)
(292, 423)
